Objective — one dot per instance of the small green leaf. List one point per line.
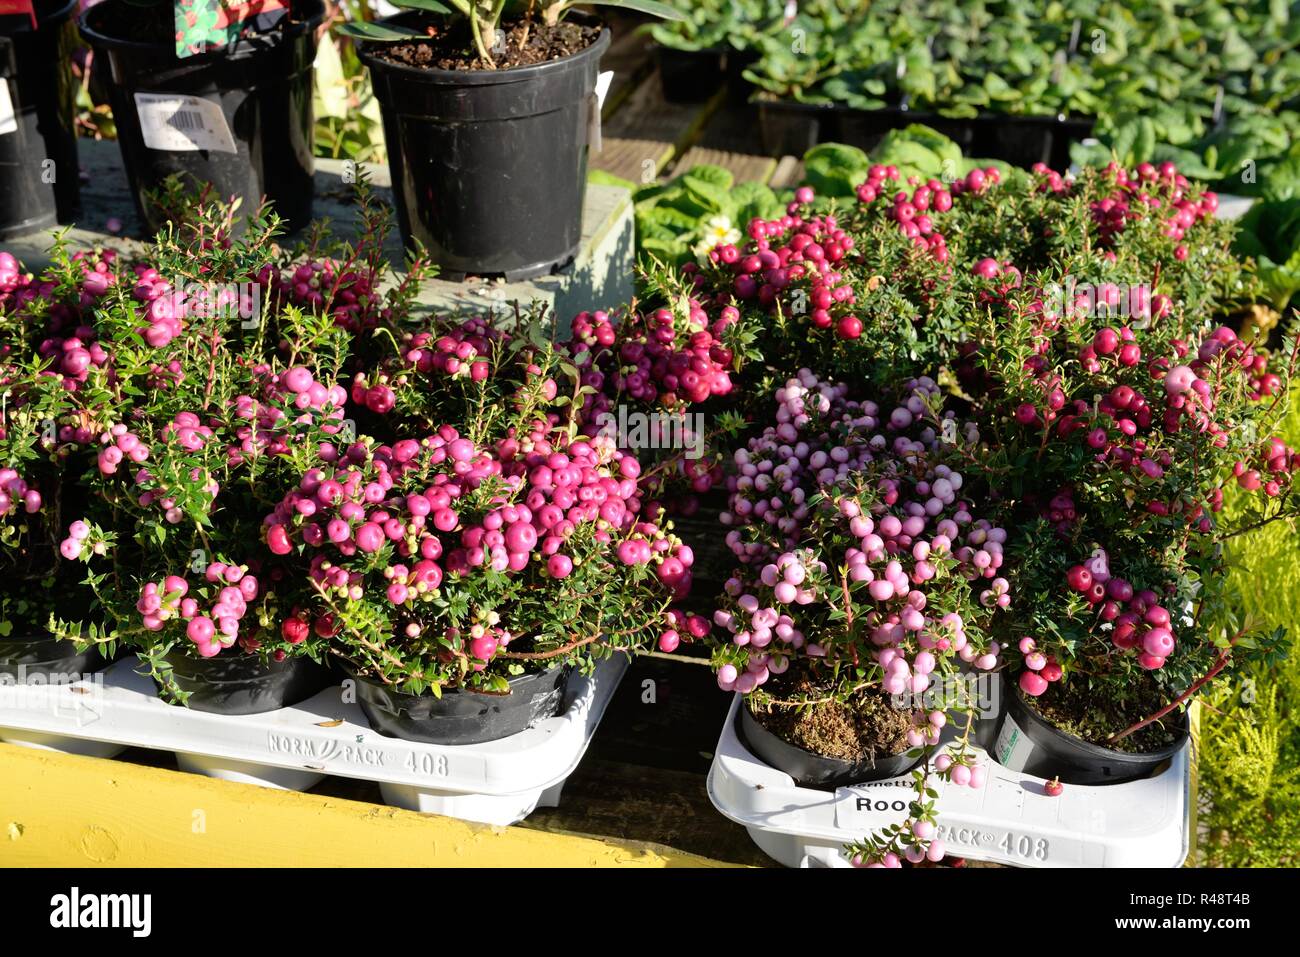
(651, 7)
(433, 6)
(377, 31)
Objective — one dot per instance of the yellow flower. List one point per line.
(718, 231)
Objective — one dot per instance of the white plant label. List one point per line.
(183, 124)
(603, 82)
(8, 122)
(1013, 747)
(873, 805)
(596, 106)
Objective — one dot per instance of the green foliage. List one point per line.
(679, 220)
(713, 24)
(916, 150)
(1249, 773)
(1249, 767)
(218, 436)
(1270, 233)
(421, 641)
(348, 121)
(1211, 85)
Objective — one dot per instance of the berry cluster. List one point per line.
(119, 443)
(658, 358)
(348, 295)
(16, 492)
(846, 512)
(1151, 190)
(228, 589)
(400, 519)
(286, 407)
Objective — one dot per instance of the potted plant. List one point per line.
(1115, 413)
(38, 135)
(49, 350)
(487, 121)
(866, 591)
(1124, 568)
(214, 92)
(463, 570)
(32, 497)
(191, 404)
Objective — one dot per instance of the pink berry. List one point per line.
(1032, 683)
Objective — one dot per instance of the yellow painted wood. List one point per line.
(1193, 790)
(57, 810)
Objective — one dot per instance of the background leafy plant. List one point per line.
(1249, 767)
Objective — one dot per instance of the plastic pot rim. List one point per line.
(241, 47)
(178, 653)
(433, 76)
(762, 98)
(513, 681)
(49, 18)
(1098, 751)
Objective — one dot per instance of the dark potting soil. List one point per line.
(869, 728)
(526, 43)
(1075, 709)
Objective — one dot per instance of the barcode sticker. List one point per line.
(183, 123)
(8, 122)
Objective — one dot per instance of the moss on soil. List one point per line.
(869, 728)
(1072, 707)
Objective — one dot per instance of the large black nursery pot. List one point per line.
(489, 167)
(1027, 742)
(460, 716)
(238, 118)
(245, 684)
(39, 174)
(43, 659)
(813, 770)
(694, 76)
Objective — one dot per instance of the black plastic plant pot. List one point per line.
(690, 76)
(238, 118)
(792, 128)
(46, 659)
(489, 167)
(694, 76)
(1019, 140)
(812, 770)
(1071, 129)
(789, 128)
(1025, 140)
(464, 717)
(1027, 742)
(39, 174)
(245, 684)
(866, 128)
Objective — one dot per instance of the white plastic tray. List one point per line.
(1011, 820)
(498, 782)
